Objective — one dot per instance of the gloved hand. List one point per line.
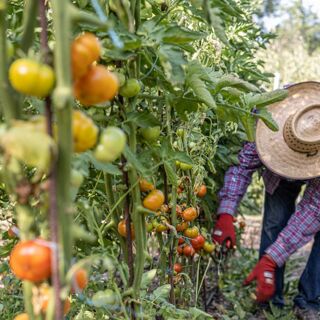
(224, 230)
(264, 273)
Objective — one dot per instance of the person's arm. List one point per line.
(235, 185)
(302, 226)
(238, 178)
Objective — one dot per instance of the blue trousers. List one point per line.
(277, 211)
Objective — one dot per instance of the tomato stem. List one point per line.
(28, 24)
(9, 106)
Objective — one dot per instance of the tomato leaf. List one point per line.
(143, 119)
(172, 61)
(249, 124)
(161, 292)
(106, 167)
(266, 117)
(133, 160)
(266, 98)
(170, 171)
(229, 80)
(147, 278)
(183, 106)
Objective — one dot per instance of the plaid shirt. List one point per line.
(303, 224)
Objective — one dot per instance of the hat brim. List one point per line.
(271, 146)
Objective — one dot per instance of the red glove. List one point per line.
(264, 273)
(224, 230)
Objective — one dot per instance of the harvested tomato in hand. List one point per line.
(189, 214)
(85, 132)
(198, 242)
(31, 260)
(154, 200)
(98, 85)
(32, 78)
(145, 185)
(177, 267)
(111, 144)
(122, 229)
(201, 191)
(191, 232)
(85, 50)
(130, 89)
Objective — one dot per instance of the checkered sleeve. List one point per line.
(301, 227)
(238, 178)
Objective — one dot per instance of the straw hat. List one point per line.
(294, 151)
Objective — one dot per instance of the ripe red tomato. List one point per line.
(177, 267)
(191, 232)
(189, 214)
(31, 260)
(145, 185)
(154, 200)
(198, 242)
(85, 50)
(85, 132)
(98, 85)
(31, 77)
(180, 241)
(180, 250)
(188, 251)
(122, 229)
(201, 191)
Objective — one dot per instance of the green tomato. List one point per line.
(150, 134)
(185, 166)
(76, 178)
(192, 145)
(180, 132)
(111, 145)
(130, 89)
(149, 226)
(104, 298)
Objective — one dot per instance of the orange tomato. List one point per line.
(180, 250)
(22, 316)
(122, 229)
(98, 85)
(182, 226)
(45, 298)
(189, 214)
(154, 200)
(80, 279)
(201, 191)
(145, 186)
(31, 260)
(209, 247)
(191, 232)
(178, 210)
(85, 50)
(177, 267)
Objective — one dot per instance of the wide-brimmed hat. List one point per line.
(294, 151)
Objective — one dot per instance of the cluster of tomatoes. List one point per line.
(31, 260)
